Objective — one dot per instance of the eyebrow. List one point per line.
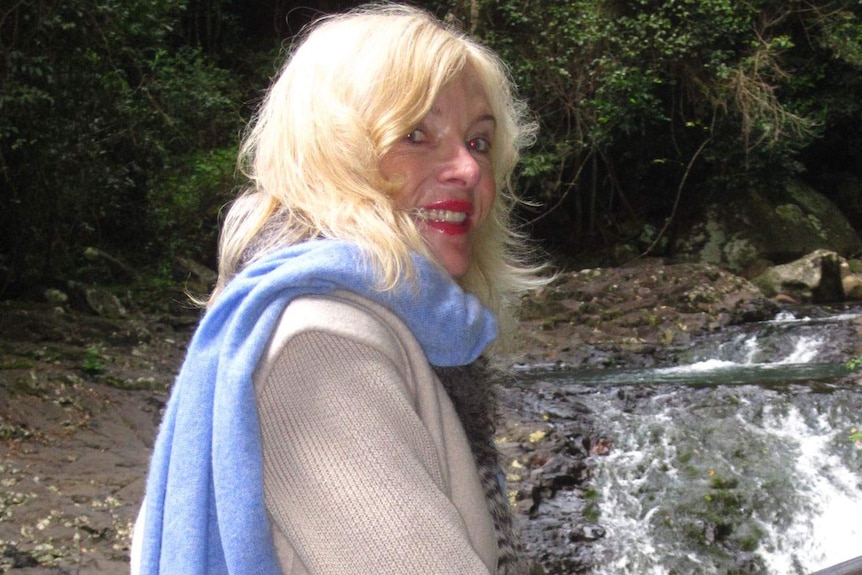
(478, 120)
(486, 118)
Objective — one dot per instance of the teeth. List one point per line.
(443, 216)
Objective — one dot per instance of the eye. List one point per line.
(417, 136)
(479, 145)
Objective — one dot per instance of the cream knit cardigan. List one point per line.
(367, 469)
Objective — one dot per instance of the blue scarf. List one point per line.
(205, 511)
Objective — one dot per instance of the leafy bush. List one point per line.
(100, 99)
(641, 101)
(119, 120)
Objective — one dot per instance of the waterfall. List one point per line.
(738, 461)
(828, 527)
(732, 480)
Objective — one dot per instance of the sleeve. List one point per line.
(352, 477)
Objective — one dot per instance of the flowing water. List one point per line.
(738, 461)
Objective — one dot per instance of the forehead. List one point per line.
(472, 84)
(466, 91)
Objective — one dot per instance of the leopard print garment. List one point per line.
(471, 388)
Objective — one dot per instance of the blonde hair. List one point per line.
(357, 83)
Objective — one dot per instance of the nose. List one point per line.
(459, 166)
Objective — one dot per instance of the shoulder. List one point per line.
(348, 317)
(343, 314)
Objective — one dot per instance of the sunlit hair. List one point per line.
(354, 85)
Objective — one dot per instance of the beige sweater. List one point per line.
(367, 469)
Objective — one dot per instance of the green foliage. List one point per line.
(637, 97)
(119, 120)
(186, 197)
(100, 99)
(592, 506)
(93, 363)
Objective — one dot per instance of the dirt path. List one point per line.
(80, 401)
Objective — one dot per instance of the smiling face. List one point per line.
(444, 166)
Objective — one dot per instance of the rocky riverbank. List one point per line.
(632, 316)
(80, 400)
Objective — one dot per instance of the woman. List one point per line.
(332, 414)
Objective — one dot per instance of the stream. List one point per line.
(736, 460)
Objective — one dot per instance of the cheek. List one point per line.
(404, 192)
(486, 193)
(402, 177)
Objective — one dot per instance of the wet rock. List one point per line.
(547, 460)
(753, 310)
(561, 546)
(561, 472)
(17, 559)
(587, 532)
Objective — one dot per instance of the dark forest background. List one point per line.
(119, 119)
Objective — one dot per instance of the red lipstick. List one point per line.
(451, 217)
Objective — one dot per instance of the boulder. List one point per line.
(56, 297)
(103, 303)
(741, 235)
(852, 286)
(846, 191)
(819, 277)
(198, 278)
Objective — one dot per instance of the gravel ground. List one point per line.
(80, 401)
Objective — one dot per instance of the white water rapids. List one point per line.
(827, 527)
(712, 473)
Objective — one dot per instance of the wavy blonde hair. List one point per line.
(354, 85)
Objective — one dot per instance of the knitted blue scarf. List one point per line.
(205, 510)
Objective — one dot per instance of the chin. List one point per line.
(456, 270)
(455, 259)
